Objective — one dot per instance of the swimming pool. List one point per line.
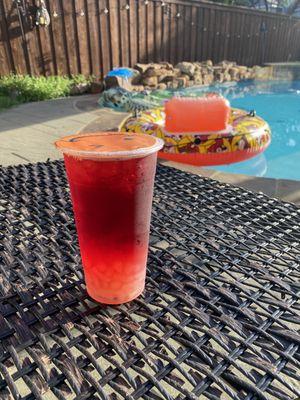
(278, 102)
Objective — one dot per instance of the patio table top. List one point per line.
(218, 319)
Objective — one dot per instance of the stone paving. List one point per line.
(27, 134)
(28, 131)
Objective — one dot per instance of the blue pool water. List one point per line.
(279, 104)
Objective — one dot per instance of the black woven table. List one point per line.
(218, 319)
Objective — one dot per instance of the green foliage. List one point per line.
(76, 79)
(6, 102)
(16, 89)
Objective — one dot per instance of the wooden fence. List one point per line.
(93, 36)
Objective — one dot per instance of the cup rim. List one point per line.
(109, 155)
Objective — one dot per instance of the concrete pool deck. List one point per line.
(27, 134)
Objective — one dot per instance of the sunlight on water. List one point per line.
(278, 102)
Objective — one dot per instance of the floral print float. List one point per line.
(246, 136)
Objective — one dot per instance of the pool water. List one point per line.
(278, 102)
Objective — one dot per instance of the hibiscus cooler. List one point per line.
(111, 177)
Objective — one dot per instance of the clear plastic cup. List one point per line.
(111, 177)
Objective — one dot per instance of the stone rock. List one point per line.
(252, 73)
(142, 68)
(187, 77)
(226, 64)
(219, 77)
(165, 72)
(234, 72)
(247, 75)
(155, 70)
(207, 79)
(191, 83)
(136, 79)
(207, 70)
(162, 86)
(242, 69)
(151, 72)
(186, 68)
(165, 78)
(262, 73)
(227, 77)
(150, 81)
(137, 88)
(117, 81)
(207, 63)
(163, 75)
(181, 82)
(198, 79)
(198, 68)
(79, 88)
(96, 87)
(166, 65)
(218, 69)
(172, 85)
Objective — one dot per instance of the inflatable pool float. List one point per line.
(245, 136)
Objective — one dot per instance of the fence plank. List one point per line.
(133, 31)
(93, 36)
(187, 33)
(7, 61)
(58, 43)
(216, 37)
(226, 35)
(83, 40)
(295, 43)
(114, 8)
(173, 32)
(123, 33)
(105, 35)
(193, 36)
(33, 51)
(15, 38)
(245, 39)
(199, 28)
(251, 39)
(46, 51)
(51, 61)
(180, 33)
(156, 31)
(165, 42)
(70, 35)
(95, 45)
(150, 32)
(142, 28)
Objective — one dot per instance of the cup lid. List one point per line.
(109, 145)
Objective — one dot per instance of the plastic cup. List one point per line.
(111, 177)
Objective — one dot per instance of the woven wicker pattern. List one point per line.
(218, 320)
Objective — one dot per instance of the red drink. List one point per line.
(111, 179)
